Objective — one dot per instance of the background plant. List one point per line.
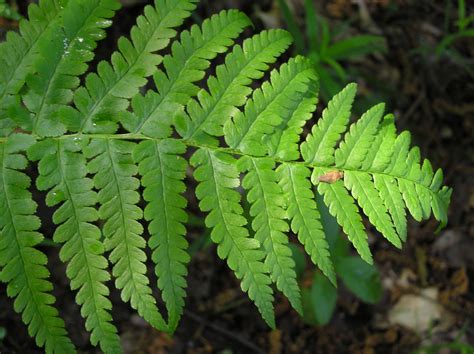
(8, 11)
(329, 47)
(457, 31)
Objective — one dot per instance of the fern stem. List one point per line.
(195, 144)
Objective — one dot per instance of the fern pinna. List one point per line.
(102, 144)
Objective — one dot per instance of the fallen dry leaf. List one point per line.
(420, 312)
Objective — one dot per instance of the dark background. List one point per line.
(433, 97)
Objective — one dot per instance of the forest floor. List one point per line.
(428, 285)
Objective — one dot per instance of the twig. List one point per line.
(414, 106)
(225, 332)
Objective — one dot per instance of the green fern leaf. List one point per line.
(19, 53)
(22, 266)
(267, 209)
(304, 215)
(218, 176)
(113, 170)
(62, 170)
(163, 172)
(190, 57)
(106, 93)
(229, 88)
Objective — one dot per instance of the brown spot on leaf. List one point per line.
(331, 177)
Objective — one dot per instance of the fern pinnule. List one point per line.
(62, 172)
(362, 188)
(283, 143)
(380, 152)
(304, 215)
(267, 204)
(392, 198)
(114, 170)
(217, 175)
(163, 171)
(342, 206)
(22, 266)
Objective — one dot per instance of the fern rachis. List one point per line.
(95, 175)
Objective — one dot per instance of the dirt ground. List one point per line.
(428, 286)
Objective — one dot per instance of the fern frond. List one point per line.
(62, 171)
(113, 167)
(267, 210)
(276, 100)
(19, 53)
(230, 87)
(106, 93)
(189, 58)
(217, 175)
(163, 171)
(304, 215)
(63, 57)
(102, 143)
(22, 266)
